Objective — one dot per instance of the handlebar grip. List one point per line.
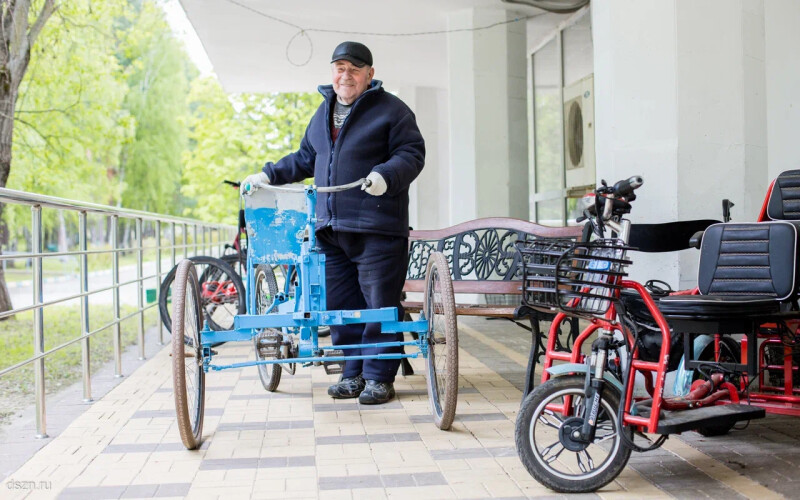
(626, 187)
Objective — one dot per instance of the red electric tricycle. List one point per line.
(575, 431)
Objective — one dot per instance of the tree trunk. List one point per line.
(18, 36)
(7, 102)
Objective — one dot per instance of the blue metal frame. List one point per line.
(303, 313)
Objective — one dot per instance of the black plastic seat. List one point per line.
(717, 306)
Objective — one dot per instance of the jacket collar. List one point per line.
(328, 93)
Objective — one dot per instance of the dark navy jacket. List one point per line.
(380, 134)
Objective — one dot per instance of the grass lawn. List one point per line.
(62, 368)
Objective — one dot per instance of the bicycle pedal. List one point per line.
(333, 367)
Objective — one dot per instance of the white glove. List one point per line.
(375, 184)
(251, 183)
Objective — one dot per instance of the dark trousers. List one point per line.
(364, 271)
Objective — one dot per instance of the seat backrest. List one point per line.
(666, 237)
(755, 259)
(784, 197)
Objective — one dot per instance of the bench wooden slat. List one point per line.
(498, 223)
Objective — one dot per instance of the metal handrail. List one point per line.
(201, 236)
(25, 198)
(73, 297)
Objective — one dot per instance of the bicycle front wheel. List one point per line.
(188, 377)
(545, 428)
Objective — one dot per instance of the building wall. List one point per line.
(636, 86)
(682, 100)
(429, 194)
(782, 50)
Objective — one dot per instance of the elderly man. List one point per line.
(359, 131)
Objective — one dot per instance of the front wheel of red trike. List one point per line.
(545, 444)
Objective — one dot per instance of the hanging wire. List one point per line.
(303, 32)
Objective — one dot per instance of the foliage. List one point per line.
(231, 137)
(111, 111)
(157, 72)
(70, 124)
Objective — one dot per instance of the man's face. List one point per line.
(350, 81)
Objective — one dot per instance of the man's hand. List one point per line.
(251, 182)
(375, 184)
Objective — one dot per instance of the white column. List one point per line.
(783, 84)
(429, 194)
(680, 98)
(488, 121)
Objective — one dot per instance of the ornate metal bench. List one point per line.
(483, 260)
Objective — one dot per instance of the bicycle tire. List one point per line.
(442, 338)
(540, 461)
(188, 377)
(266, 288)
(213, 269)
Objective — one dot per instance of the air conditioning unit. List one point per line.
(579, 133)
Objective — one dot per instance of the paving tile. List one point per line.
(209, 412)
(349, 482)
(270, 425)
(460, 454)
(256, 463)
(369, 438)
(466, 417)
(392, 405)
(92, 493)
(269, 395)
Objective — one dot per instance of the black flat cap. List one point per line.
(356, 53)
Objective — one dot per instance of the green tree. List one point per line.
(19, 37)
(158, 73)
(232, 136)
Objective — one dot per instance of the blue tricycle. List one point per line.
(283, 318)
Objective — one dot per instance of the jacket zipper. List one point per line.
(338, 139)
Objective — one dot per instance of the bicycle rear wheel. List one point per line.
(222, 293)
(188, 377)
(440, 310)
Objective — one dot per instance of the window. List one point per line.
(563, 121)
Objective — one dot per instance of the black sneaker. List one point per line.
(347, 388)
(376, 393)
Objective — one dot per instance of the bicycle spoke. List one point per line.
(604, 437)
(553, 414)
(548, 423)
(549, 449)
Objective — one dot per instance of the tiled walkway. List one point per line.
(299, 443)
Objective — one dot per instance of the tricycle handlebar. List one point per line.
(301, 189)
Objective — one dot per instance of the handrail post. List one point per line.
(85, 352)
(38, 322)
(185, 241)
(194, 236)
(159, 324)
(140, 284)
(174, 243)
(115, 296)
